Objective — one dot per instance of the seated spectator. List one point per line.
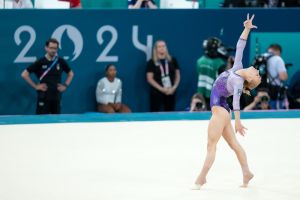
(74, 3)
(22, 4)
(197, 103)
(234, 3)
(277, 3)
(163, 75)
(109, 93)
(136, 4)
(261, 101)
(290, 3)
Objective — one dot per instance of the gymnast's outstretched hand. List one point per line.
(248, 23)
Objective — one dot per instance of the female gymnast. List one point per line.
(231, 82)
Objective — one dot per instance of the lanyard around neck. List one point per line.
(49, 68)
(163, 74)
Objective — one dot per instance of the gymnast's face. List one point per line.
(254, 78)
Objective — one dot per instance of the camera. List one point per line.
(199, 105)
(264, 98)
(260, 63)
(214, 48)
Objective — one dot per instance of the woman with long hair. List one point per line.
(163, 75)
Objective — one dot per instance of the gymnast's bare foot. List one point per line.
(198, 184)
(246, 179)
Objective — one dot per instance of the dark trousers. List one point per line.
(161, 102)
(45, 106)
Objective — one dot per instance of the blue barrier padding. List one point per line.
(91, 39)
(101, 117)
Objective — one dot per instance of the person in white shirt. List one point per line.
(22, 4)
(109, 93)
(277, 74)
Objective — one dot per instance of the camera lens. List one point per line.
(265, 98)
(199, 105)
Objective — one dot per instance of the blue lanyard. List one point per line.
(49, 68)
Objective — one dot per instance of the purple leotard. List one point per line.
(229, 83)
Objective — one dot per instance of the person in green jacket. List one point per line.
(208, 67)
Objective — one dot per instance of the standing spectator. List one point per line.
(49, 71)
(109, 93)
(74, 3)
(276, 74)
(22, 4)
(163, 75)
(208, 66)
(136, 4)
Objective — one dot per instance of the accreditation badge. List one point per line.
(166, 81)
